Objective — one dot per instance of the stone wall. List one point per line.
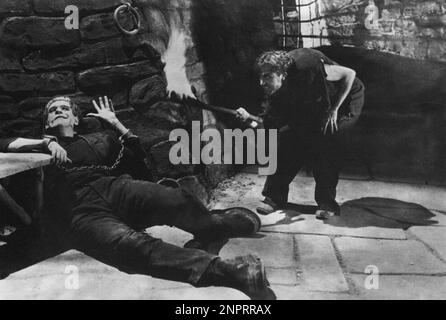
(410, 28)
(41, 58)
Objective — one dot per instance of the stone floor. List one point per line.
(388, 243)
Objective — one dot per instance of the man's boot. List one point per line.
(244, 273)
(268, 206)
(325, 212)
(233, 222)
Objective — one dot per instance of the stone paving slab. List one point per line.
(352, 222)
(170, 235)
(319, 265)
(440, 218)
(434, 237)
(402, 287)
(46, 280)
(284, 276)
(276, 250)
(299, 293)
(249, 186)
(390, 256)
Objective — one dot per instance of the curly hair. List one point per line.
(279, 60)
(74, 108)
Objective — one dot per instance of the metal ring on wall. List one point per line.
(127, 7)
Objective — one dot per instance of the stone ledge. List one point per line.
(58, 6)
(43, 82)
(8, 108)
(101, 53)
(37, 32)
(14, 7)
(114, 76)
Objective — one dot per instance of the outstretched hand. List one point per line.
(105, 111)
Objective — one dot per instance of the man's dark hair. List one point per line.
(278, 59)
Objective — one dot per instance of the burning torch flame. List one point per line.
(175, 65)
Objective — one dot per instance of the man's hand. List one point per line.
(58, 154)
(105, 111)
(330, 123)
(242, 114)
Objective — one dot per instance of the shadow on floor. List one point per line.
(366, 212)
(383, 213)
(24, 248)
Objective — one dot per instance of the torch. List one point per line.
(253, 121)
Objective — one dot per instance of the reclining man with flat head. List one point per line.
(97, 201)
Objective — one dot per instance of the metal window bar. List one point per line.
(298, 35)
(299, 22)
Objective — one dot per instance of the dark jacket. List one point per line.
(88, 152)
(305, 96)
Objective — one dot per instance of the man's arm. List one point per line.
(347, 76)
(46, 145)
(338, 73)
(27, 145)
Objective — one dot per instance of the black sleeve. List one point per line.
(273, 120)
(134, 159)
(5, 142)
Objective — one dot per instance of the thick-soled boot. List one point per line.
(244, 273)
(234, 222)
(325, 212)
(238, 221)
(269, 206)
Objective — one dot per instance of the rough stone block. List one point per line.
(113, 77)
(14, 7)
(149, 134)
(434, 237)
(147, 92)
(9, 60)
(21, 128)
(8, 109)
(37, 32)
(275, 250)
(389, 256)
(194, 186)
(32, 108)
(43, 82)
(107, 52)
(58, 7)
(84, 101)
(100, 26)
(164, 168)
(402, 287)
(320, 267)
(172, 115)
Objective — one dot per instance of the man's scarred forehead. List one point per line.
(59, 101)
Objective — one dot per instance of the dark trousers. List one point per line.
(323, 154)
(320, 153)
(109, 221)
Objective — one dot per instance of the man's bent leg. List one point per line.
(290, 158)
(142, 204)
(106, 238)
(327, 159)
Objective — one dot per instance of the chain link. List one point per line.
(93, 167)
